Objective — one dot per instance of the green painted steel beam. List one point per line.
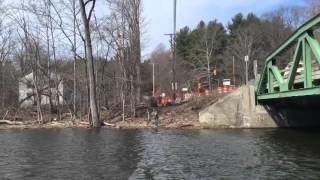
(314, 45)
(277, 74)
(262, 81)
(270, 81)
(288, 94)
(293, 70)
(306, 51)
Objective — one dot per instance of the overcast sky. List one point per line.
(159, 15)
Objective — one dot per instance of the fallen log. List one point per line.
(186, 125)
(103, 123)
(11, 122)
(84, 123)
(108, 124)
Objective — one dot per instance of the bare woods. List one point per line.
(80, 60)
(74, 58)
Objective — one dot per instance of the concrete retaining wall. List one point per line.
(237, 110)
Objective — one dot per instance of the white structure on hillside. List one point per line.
(27, 92)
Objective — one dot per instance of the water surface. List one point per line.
(159, 154)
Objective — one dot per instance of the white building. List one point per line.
(27, 91)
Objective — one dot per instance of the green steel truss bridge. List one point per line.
(302, 79)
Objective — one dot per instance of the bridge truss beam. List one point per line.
(306, 45)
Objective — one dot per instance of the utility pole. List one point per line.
(74, 48)
(174, 50)
(233, 72)
(171, 41)
(173, 63)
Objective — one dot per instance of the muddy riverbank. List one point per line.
(183, 116)
(127, 124)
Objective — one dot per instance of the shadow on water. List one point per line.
(291, 152)
(271, 153)
(298, 139)
(295, 112)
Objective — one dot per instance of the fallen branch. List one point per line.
(103, 123)
(108, 124)
(5, 114)
(84, 123)
(186, 125)
(11, 122)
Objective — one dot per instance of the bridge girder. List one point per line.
(306, 45)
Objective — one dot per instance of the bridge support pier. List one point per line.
(237, 110)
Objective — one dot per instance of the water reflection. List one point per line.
(159, 154)
(65, 154)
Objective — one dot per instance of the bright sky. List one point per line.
(159, 15)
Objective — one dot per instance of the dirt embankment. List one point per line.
(185, 116)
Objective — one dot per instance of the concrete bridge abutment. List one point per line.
(240, 110)
(237, 110)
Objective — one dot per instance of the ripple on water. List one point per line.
(159, 154)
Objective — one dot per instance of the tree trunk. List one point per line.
(38, 97)
(138, 71)
(74, 49)
(137, 45)
(132, 98)
(2, 87)
(90, 66)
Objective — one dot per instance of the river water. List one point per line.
(159, 154)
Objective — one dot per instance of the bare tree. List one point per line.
(32, 53)
(90, 65)
(5, 50)
(6, 44)
(134, 21)
(125, 29)
(313, 7)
